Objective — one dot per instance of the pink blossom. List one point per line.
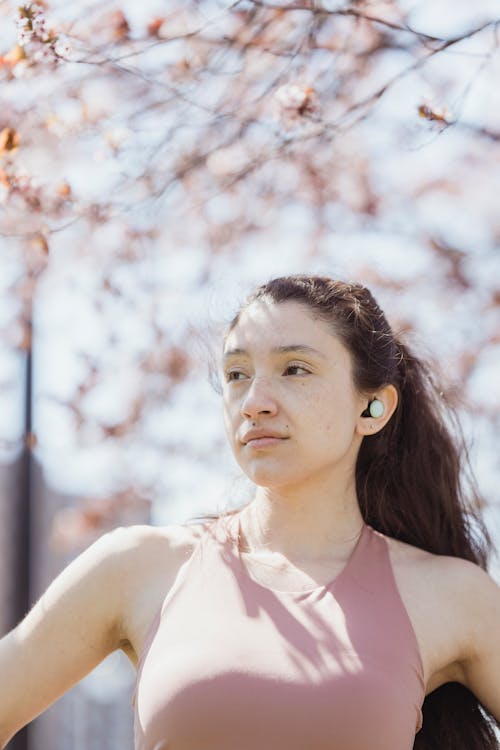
(297, 99)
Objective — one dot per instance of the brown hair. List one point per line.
(410, 477)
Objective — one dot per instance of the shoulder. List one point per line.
(472, 599)
(453, 605)
(462, 582)
(446, 569)
(143, 554)
(471, 593)
(134, 546)
(456, 580)
(148, 559)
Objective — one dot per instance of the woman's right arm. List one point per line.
(75, 624)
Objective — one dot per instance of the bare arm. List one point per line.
(481, 617)
(72, 627)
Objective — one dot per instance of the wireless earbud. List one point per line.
(374, 409)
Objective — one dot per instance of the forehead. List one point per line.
(267, 325)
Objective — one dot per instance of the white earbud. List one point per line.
(376, 408)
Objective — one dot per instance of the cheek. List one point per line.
(226, 415)
(231, 421)
(335, 416)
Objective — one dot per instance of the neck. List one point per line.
(302, 524)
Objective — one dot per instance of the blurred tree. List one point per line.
(362, 135)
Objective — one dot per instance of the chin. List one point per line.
(270, 478)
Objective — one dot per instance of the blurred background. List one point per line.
(157, 161)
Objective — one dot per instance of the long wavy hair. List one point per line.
(410, 478)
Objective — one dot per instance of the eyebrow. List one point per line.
(304, 348)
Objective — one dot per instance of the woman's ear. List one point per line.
(379, 409)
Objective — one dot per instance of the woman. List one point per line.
(324, 612)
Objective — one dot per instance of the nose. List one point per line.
(258, 399)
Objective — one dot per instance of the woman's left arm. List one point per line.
(481, 662)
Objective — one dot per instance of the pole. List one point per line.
(24, 500)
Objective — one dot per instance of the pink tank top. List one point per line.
(230, 664)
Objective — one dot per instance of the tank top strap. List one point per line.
(373, 572)
(209, 529)
(371, 567)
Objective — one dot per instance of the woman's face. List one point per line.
(287, 375)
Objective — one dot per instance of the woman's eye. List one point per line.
(232, 375)
(296, 367)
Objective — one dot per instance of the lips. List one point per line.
(262, 437)
(264, 442)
